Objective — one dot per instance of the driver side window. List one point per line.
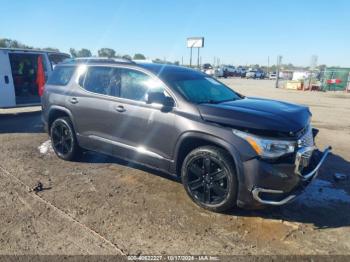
(135, 85)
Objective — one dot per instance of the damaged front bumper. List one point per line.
(277, 184)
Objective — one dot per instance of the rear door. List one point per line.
(92, 102)
(7, 91)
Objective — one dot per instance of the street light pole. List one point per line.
(191, 57)
(279, 60)
(198, 58)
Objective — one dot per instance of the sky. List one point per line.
(236, 31)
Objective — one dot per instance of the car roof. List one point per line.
(165, 70)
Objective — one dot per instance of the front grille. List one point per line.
(307, 140)
(305, 150)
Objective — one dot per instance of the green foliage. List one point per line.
(51, 49)
(80, 53)
(9, 43)
(127, 57)
(139, 57)
(106, 52)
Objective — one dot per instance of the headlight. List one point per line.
(267, 148)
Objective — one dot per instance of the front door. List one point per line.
(146, 128)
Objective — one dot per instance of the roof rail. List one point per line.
(97, 60)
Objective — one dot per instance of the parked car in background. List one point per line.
(251, 74)
(208, 69)
(260, 74)
(229, 70)
(229, 150)
(272, 76)
(255, 74)
(241, 71)
(220, 72)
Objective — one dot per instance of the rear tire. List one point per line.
(63, 139)
(209, 177)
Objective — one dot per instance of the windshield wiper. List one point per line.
(208, 102)
(227, 100)
(216, 102)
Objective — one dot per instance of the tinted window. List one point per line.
(102, 80)
(135, 85)
(61, 75)
(203, 89)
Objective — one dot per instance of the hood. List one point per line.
(258, 114)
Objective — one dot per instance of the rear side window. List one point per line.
(101, 80)
(61, 75)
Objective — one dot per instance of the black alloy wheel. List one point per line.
(63, 139)
(209, 178)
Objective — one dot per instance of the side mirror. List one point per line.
(160, 98)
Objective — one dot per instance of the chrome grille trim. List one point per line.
(306, 147)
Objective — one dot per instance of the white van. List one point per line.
(19, 75)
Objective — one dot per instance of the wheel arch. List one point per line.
(56, 112)
(191, 140)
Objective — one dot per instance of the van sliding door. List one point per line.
(7, 92)
(26, 73)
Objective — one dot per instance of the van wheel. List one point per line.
(63, 139)
(209, 177)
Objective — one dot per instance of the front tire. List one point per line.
(209, 177)
(63, 139)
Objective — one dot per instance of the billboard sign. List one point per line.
(195, 42)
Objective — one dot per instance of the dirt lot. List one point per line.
(101, 205)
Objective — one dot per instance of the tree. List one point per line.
(106, 52)
(51, 49)
(157, 60)
(127, 57)
(322, 67)
(139, 57)
(84, 53)
(9, 43)
(80, 53)
(73, 52)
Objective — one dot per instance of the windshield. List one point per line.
(204, 90)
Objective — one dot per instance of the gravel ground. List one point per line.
(102, 205)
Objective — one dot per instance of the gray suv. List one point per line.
(228, 149)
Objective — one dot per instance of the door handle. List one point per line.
(7, 80)
(74, 100)
(120, 109)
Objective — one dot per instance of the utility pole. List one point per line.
(268, 66)
(313, 65)
(198, 58)
(191, 56)
(279, 60)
